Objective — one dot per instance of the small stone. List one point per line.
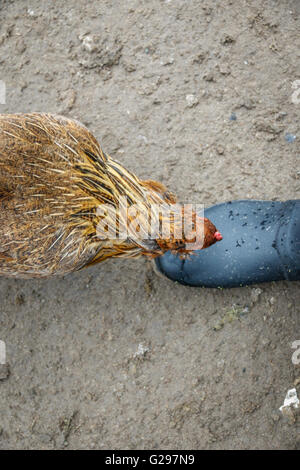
(191, 100)
(275, 417)
(225, 69)
(199, 57)
(263, 125)
(281, 115)
(227, 39)
(31, 13)
(4, 371)
(129, 67)
(109, 335)
(20, 46)
(88, 44)
(220, 149)
(248, 103)
(68, 98)
(48, 76)
(255, 294)
(199, 150)
(288, 414)
(20, 300)
(209, 76)
(141, 351)
(168, 61)
(232, 117)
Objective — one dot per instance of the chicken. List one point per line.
(60, 202)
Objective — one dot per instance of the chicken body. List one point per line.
(53, 178)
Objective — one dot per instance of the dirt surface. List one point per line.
(114, 356)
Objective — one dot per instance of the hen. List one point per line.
(60, 202)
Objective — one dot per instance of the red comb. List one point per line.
(218, 236)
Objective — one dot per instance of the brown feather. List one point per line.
(53, 177)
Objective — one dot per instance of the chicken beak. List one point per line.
(218, 236)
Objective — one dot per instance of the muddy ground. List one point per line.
(115, 357)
